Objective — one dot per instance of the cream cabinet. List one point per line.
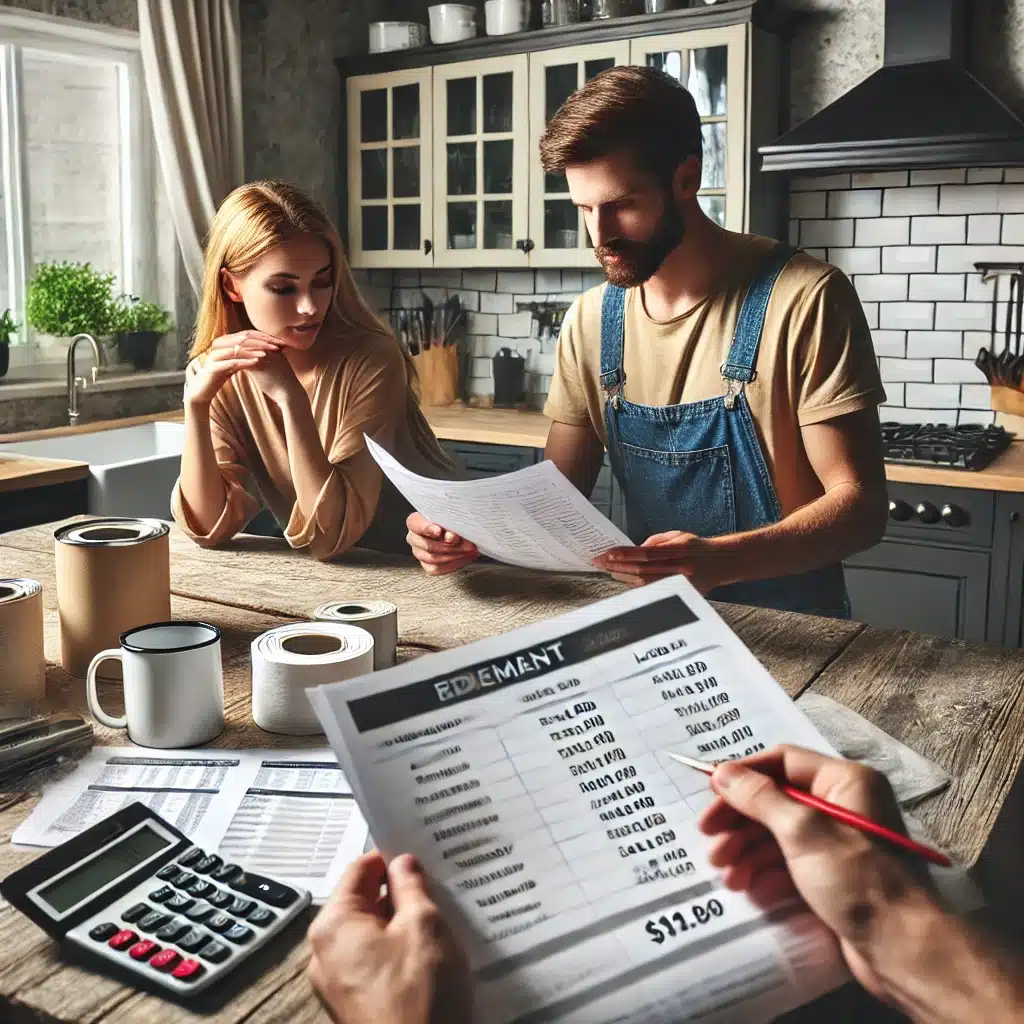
(390, 154)
(443, 158)
(481, 185)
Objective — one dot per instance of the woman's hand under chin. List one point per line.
(276, 379)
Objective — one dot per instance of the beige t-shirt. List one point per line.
(815, 361)
(361, 387)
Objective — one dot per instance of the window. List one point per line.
(80, 180)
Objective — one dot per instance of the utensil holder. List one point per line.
(1009, 400)
(438, 369)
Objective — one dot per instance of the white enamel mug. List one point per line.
(173, 684)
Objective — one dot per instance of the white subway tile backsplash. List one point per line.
(515, 281)
(548, 281)
(572, 281)
(889, 343)
(470, 300)
(974, 415)
(908, 259)
(1011, 199)
(879, 179)
(976, 396)
(983, 228)
(895, 414)
(407, 279)
(481, 367)
(913, 201)
(896, 370)
(441, 277)
(482, 323)
(881, 287)
(957, 371)
(935, 396)
(948, 287)
(856, 261)
(824, 233)
(864, 202)
(1014, 174)
(969, 198)
(979, 290)
(794, 232)
(938, 230)
(957, 259)
(895, 394)
(883, 231)
(515, 325)
(906, 316)
(934, 344)
(496, 302)
(962, 316)
(870, 314)
(481, 280)
(1013, 229)
(818, 254)
(981, 175)
(814, 183)
(808, 205)
(975, 341)
(938, 176)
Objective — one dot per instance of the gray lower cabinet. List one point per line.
(37, 505)
(1008, 572)
(474, 461)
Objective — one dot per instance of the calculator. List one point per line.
(136, 893)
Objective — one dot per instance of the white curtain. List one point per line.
(191, 57)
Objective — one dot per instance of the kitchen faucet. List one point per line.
(74, 383)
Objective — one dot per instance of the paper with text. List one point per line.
(290, 813)
(527, 773)
(533, 518)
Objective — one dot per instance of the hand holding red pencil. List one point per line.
(767, 843)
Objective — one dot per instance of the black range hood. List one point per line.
(922, 108)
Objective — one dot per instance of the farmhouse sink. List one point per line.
(131, 469)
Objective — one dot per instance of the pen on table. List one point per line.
(841, 814)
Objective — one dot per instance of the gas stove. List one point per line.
(938, 444)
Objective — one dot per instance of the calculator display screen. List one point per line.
(114, 862)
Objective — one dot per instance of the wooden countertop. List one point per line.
(1006, 473)
(959, 704)
(520, 428)
(22, 472)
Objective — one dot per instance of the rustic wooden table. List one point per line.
(962, 706)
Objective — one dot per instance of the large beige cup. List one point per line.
(112, 575)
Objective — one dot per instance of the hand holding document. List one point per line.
(527, 773)
(533, 518)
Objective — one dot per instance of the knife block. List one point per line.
(438, 370)
(1008, 404)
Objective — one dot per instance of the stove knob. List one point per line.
(900, 511)
(928, 513)
(953, 515)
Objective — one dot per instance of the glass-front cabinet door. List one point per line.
(389, 151)
(481, 137)
(711, 64)
(557, 231)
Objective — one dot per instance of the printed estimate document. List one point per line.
(290, 813)
(533, 518)
(527, 773)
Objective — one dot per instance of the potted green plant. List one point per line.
(7, 327)
(65, 299)
(139, 325)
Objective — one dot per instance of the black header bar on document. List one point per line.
(528, 665)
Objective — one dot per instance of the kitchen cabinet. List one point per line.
(460, 184)
(473, 461)
(481, 188)
(390, 147)
(1008, 585)
(47, 504)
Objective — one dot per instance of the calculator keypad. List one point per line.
(196, 899)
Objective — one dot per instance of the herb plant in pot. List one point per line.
(140, 325)
(65, 299)
(7, 328)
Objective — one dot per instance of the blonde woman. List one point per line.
(289, 369)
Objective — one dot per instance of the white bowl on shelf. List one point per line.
(396, 35)
(451, 23)
(506, 16)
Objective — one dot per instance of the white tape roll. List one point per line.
(287, 660)
(23, 672)
(378, 618)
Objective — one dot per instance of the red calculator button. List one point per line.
(143, 950)
(165, 960)
(123, 939)
(187, 970)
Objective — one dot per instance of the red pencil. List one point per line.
(847, 817)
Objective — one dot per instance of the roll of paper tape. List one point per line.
(287, 660)
(112, 575)
(378, 618)
(23, 671)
